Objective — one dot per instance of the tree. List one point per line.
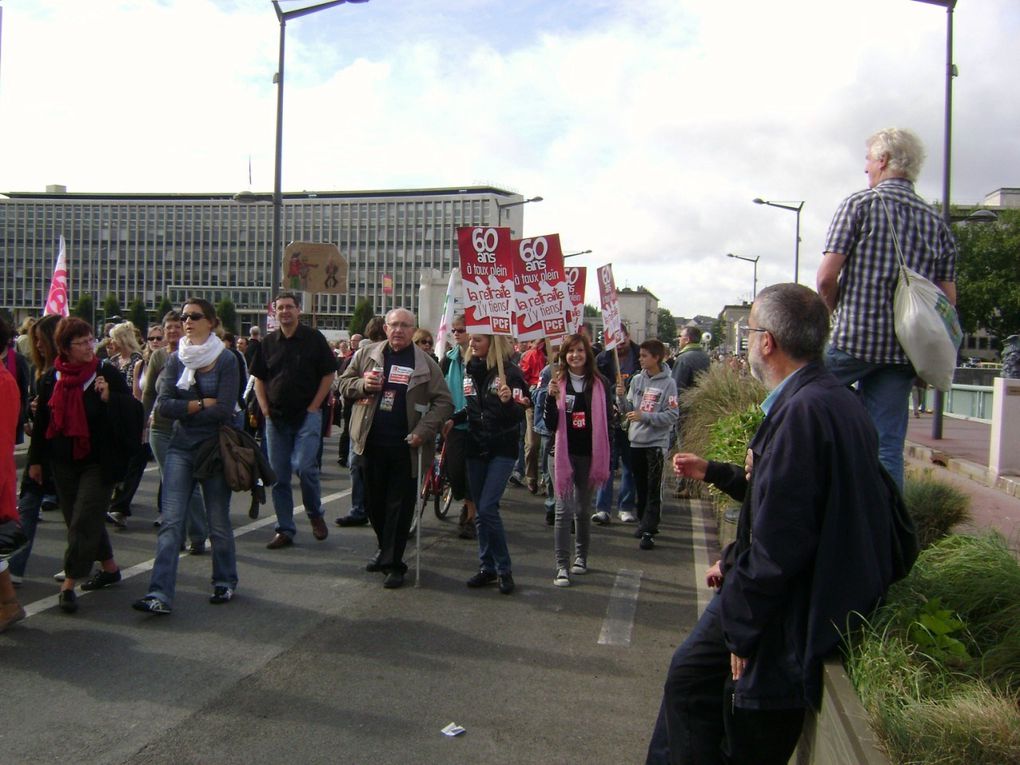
(85, 308)
(592, 311)
(111, 307)
(362, 313)
(717, 333)
(988, 275)
(227, 313)
(666, 330)
(139, 316)
(164, 307)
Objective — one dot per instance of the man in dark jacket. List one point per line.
(814, 550)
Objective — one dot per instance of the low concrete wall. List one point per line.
(839, 734)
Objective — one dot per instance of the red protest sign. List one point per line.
(541, 296)
(577, 277)
(610, 306)
(486, 270)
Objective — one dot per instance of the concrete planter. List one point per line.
(840, 733)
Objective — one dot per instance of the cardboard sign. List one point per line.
(610, 307)
(541, 295)
(314, 267)
(577, 277)
(487, 276)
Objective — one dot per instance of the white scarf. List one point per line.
(195, 357)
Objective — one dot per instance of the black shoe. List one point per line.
(197, 548)
(373, 564)
(102, 579)
(151, 605)
(550, 517)
(506, 583)
(221, 594)
(342, 461)
(393, 580)
(352, 520)
(646, 543)
(67, 601)
(482, 578)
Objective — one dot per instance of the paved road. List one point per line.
(314, 662)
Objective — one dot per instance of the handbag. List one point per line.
(926, 323)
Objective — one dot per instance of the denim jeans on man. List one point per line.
(30, 501)
(487, 480)
(619, 455)
(295, 449)
(196, 526)
(357, 469)
(178, 489)
(885, 393)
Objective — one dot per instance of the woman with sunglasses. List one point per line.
(85, 422)
(126, 354)
(153, 342)
(197, 390)
(423, 339)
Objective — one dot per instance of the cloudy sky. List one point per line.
(647, 125)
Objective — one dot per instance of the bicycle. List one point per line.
(435, 487)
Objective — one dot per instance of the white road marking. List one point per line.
(50, 602)
(619, 622)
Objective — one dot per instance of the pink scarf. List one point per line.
(599, 471)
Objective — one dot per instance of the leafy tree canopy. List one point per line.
(362, 313)
(988, 275)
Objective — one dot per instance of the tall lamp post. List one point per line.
(575, 254)
(949, 5)
(500, 206)
(276, 260)
(754, 291)
(796, 207)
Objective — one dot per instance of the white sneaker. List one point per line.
(562, 578)
(580, 566)
(117, 518)
(60, 576)
(627, 516)
(601, 518)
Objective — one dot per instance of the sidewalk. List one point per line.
(962, 453)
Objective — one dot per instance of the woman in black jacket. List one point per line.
(493, 411)
(87, 426)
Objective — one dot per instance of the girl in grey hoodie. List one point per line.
(651, 409)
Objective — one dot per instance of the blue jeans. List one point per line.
(885, 393)
(178, 488)
(295, 449)
(357, 468)
(619, 455)
(30, 500)
(487, 480)
(195, 525)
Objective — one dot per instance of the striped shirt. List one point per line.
(863, 321)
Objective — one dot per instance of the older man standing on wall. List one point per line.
(293, 369)
(400, 400)
(814, 551)
(857, 280)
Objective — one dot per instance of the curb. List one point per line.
(1009, 485)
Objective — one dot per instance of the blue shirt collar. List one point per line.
(770, 399)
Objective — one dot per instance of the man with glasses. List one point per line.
(400, 400)
(293, 369)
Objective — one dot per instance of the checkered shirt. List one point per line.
(863, 321)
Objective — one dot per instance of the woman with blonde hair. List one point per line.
(494, 409)
(125, 353)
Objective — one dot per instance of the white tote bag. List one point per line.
(926, 323)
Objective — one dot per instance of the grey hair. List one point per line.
(796, 317)
(391, 312)
(903, 148)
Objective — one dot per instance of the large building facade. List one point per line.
(147, 246)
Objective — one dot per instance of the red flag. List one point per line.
(56, 300)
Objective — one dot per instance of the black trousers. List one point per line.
(84, 499)
(390, 494)
(125, 490)
(646, 463)
(697, 721)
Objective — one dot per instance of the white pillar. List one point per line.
(1004, 448)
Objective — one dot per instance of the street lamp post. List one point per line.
(575, 254)
(500, 206)
(795, 207)
(276, 258)
(949, 5)
(754, 290)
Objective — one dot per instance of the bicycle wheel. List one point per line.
(442, 501)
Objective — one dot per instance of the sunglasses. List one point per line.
(155, 338)
(425, 342)
(192, 316)
(458, 331)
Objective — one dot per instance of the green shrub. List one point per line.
(938, 666)
(718, 392)
(935, 506)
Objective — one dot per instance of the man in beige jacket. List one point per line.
(399, 401)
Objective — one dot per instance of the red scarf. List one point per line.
(67, 405)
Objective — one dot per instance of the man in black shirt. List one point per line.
(293, 369)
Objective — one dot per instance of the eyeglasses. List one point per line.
(84, 341)
(155, 338)
(458, 331)
(400, 325)
(757, 329)
(192, 316)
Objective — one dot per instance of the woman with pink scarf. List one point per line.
(577, 413)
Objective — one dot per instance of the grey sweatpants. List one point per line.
(576, 508)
